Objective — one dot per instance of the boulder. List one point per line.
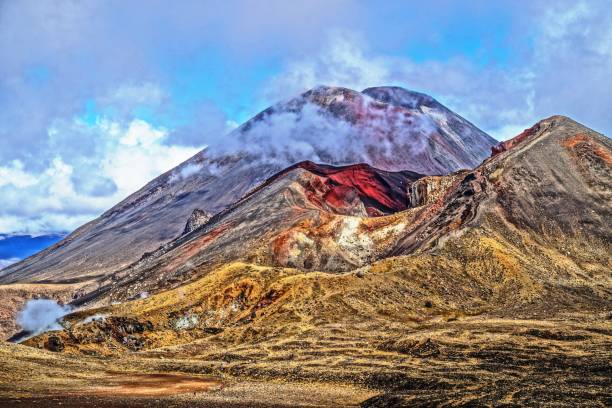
(196, 220)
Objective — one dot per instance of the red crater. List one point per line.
(340, 189)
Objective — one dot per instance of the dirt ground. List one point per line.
(162, 390)
(474, 361)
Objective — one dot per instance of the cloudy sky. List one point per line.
(99, 97)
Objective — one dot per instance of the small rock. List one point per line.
(427, 348)
(55, 343)
(196, 219)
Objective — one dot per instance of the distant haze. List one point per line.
(13, 248)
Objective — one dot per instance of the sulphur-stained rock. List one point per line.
(196, 219)
(186, 322)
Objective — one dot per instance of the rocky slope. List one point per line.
(315, 217)
(474, 288)
(388, 128)
(305, 216)
(480, 290)
(500, 218)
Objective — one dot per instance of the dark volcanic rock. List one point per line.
(424, 348)
(196, 219)
(55, 343)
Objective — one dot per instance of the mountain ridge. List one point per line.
(216, 177)
(490, 281)
(291, 229)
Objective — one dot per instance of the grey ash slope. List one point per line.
(457, 134)
(388, 128)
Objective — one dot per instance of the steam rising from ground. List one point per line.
(94, 318)
(40, 315)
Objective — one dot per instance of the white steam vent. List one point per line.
(40, 315)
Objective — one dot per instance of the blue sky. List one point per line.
(99, 97)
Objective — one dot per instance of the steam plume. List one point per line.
(40, 315)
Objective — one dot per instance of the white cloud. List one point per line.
(566, 71)
(134, 94)
(75, 187)
(15, 175)
(341, 62)
(6, 262)
(493, 100)
(572, 63)
(141, 134)
(186, 172)
(231, 125)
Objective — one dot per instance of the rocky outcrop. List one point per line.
(196, 220)
(55, 343)
(357, 189)
(120, 331)
(510, 143)
(428, 190)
